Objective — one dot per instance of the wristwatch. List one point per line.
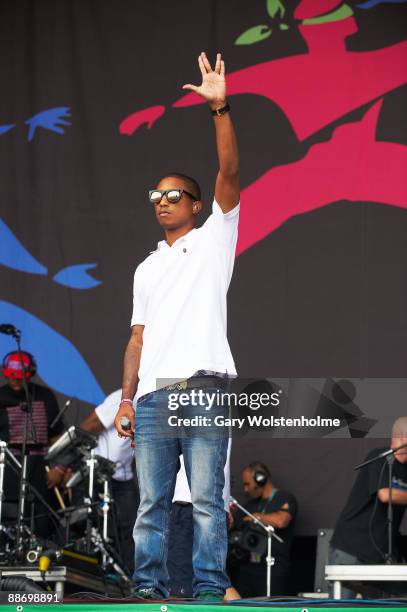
(221, 111)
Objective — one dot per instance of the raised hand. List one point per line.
(213, 87)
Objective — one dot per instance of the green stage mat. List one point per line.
(180, 607)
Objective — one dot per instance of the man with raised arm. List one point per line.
(179, 333)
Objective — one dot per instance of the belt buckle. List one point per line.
(178, 386)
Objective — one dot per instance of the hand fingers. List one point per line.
(191, 87)
(201, 65)
(218, 63)
(222, 68)
(206, 62)
(124, 433)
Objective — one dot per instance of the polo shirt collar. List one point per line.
(163, 244)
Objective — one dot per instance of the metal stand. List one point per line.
(389, 555)
(105, 510)
(24, 451)
(3, 447)
(91, 463)
(100, 545)
(270, 531)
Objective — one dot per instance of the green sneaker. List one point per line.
(208, 596)
(148, 593)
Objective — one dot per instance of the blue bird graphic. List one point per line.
(51, 119)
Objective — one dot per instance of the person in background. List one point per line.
(124, 487)
(271, 506)
(360, 535)
(40, 434)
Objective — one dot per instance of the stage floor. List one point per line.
(301, 606)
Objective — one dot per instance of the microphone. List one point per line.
(125, 423)
(61, 412)
(9, 330)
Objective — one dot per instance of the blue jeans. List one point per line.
(158, 446)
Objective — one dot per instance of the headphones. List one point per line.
(12, 365)
(260, 478)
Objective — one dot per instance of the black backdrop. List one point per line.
(322, 294)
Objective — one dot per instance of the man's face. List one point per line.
(179, 214)
(15, 383)
(397, 441)
(251, 488)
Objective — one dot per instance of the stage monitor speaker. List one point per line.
(323, 538)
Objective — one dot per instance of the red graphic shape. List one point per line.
(314, 89)
(307, 9)
(350, 166)
(148, 115)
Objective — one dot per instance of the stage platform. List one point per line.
(175, 606)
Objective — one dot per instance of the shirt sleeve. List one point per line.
(107, 411)
(138, 316)
(377, 474)
(287, 503)
(220, 230)
(223, 226)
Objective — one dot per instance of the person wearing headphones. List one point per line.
(271, 506)
(40, 433)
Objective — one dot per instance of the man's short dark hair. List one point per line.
(191, 184)
(258, 466)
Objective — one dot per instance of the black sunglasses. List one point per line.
(173, 195)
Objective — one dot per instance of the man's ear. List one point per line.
(197, 207)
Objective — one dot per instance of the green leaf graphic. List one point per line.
(253, 35)
(274, 7)
(343, 12)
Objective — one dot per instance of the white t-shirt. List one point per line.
(182, 491)
(179, 295)
(110, 445)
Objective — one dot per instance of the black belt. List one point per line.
(195, 382)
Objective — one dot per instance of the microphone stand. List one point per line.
(389, 456)
(61, 412)
(3, 447)
(24, 451)
(17, 468)
(270, 531)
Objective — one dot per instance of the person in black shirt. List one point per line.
(275, 507)
(40, 434)
(360, 535)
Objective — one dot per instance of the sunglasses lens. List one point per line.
(155, 196)
(174, 195)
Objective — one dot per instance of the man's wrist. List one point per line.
(126, 400)
(217, 104)
(61, 469)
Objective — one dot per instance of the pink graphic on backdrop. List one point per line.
(307, 9)
(314, 90)
(148, 115)
(351, 166)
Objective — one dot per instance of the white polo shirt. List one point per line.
(109, 444)
(179, 295)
